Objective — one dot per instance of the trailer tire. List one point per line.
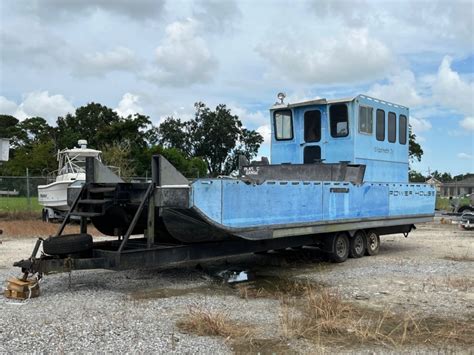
(341, 247)
(358, 245)
(67, 244)
(373, 243)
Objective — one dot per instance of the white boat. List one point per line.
(72, 169)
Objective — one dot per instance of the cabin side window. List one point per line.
(402, 133)
(380, 125)
(312, 126)
(283, 125)
(339, 120)
(366, 120)
(392, 127)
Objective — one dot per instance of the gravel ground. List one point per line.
(430, 273)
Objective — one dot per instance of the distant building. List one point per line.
(458, 188)
(435, 183)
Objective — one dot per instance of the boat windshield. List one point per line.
(72, 164)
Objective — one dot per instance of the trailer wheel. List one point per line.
(341, 247)
(358, 245)
(373, 243)
(67, 244)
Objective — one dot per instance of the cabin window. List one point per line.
(380, 125)
(283, 125)
(339, 120)
(392, 127)
(312, 126)
(366, 120)
(402, 133)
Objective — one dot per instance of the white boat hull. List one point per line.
(54, 195)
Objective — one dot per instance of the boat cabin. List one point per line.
(359, 130)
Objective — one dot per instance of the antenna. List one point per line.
(281, 96)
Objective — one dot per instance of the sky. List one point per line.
(159, 57)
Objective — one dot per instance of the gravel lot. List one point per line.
(429, 274)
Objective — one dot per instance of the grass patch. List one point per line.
(274, 287)
(443, 203)
(460, 283)
(323, 317)
(203, 322)
(19, 204)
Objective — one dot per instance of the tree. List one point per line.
(118, 155)
(415, 176)
(216, 136)
(37, 157)
(414, 149)
(86, 124)
(172, 132)
(9, 129)
(190, 167)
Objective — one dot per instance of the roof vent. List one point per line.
(82, 143)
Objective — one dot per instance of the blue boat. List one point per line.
(338, 181)
(337, 165)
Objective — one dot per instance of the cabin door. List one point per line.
(312, 137)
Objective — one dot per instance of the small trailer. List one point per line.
(338, 181)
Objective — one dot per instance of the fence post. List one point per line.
(28, 189)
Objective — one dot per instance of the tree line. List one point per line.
(207, 145)
(416, 176)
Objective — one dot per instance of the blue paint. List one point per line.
(385, 192)
(236, 204)
(385, 161)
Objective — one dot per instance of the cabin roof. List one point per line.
(323, 101)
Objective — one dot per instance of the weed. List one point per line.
(323, 317)
(204, 322)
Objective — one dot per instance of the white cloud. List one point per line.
(248, 118)
(450, 90)
(65, 9)
(38, 103)
(420, 124)
(7, 107)
(129, 105)
(31, 44)
(410, 26)
(401, 89)
(217, 15)
(467, 123)
(464, 156)
(266, 133)
(353, 13)
(348, 57)
(99, 63)
(184, 57)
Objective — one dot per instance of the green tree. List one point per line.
(118, 155)
(216, 136)
(38, 157)
(190, 167)
(87, 123)
(414, 149)
(9, 128)
(415, 176)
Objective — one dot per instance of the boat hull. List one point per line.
(54, 195)
(221, 209)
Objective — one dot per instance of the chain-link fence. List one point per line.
(21, 192)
